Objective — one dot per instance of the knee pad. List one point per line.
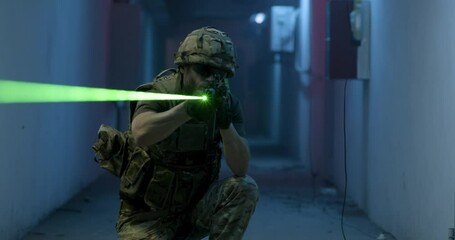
(246, 186)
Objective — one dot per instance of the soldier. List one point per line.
(173, 191)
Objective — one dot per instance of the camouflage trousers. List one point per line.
(222, 213)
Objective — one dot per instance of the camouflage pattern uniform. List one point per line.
(171, 190)
(223, 212)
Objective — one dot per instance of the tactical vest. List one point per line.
(172, 174)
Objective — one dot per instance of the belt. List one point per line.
(188, 159)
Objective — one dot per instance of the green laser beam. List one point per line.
(30, 92)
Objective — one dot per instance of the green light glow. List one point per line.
(29, 92)
(204, 98)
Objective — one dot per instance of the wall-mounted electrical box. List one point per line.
(348, 39)
(283, 19)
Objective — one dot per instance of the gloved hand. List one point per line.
(224, 114)
(199, 110)
(219, 93)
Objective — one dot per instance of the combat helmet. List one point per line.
(208, 46)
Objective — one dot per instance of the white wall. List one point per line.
(357, 120)
(409, 166)
(45, 149)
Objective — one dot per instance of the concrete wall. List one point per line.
(45, 149)
(400, 124)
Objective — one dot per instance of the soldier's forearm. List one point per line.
(236, 151)
(150, 127)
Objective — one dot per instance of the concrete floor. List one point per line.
(290, 207)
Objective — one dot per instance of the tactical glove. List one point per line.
(224, 115)
(199, 110)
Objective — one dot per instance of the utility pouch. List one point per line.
(173, 189)
(132, 180)
(111, 149)
(159, 190)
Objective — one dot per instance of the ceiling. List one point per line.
(175, 11)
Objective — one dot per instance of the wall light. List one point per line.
(259, 18)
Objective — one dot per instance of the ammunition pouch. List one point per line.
(138, 172)
(117, 152)
(132, 181)
(112, 148)
(176, 188)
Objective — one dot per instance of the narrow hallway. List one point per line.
(330, 86)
